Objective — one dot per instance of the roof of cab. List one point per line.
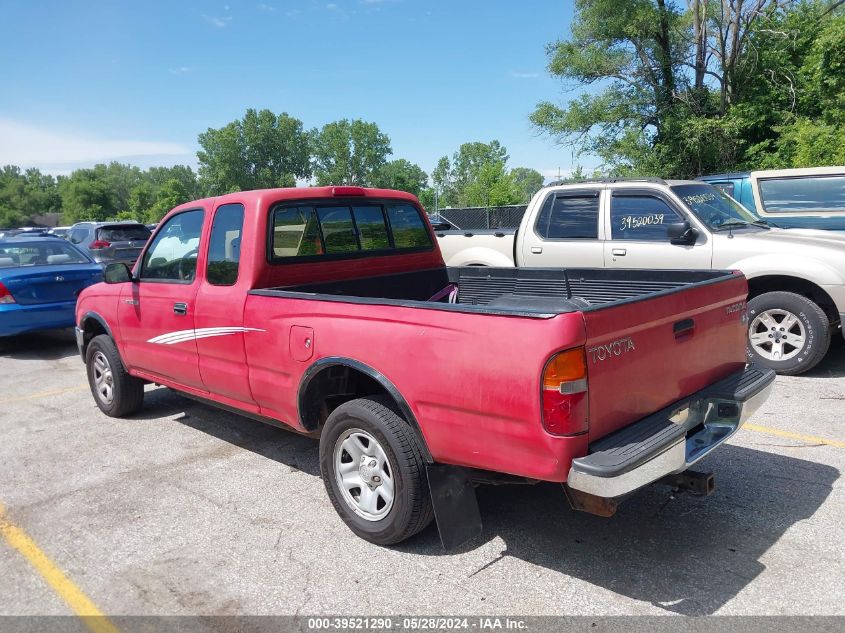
(300, 193)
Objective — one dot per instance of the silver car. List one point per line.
(109, 242)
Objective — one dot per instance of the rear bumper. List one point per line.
(673, 439)
(16, 318)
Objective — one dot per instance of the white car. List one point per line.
(796, 277)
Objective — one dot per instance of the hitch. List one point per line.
(691, 481)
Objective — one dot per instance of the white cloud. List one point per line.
(267, 7)
(293, 13)
(180, 70)
(60, 152)
(331, 6)
(218, 22)
(517, 75)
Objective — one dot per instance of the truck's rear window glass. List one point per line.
(123, 233)
(408, 228)
(372, 229)
(296, 232)
(340, 229)
(569, 217)
(807, 194)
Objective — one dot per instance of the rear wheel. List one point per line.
(116, 393)
(787, 332)
(374, 471)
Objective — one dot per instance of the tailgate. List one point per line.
(645, 354)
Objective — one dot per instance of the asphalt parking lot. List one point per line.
(185, 509)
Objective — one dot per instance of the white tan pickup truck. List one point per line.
(796, 277)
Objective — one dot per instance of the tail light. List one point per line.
(98, 244)
(5, 295)
(565, 403)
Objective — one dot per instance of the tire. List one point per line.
(367, 433)
(775, 321)
(116, 393)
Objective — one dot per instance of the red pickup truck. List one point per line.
(329, 311)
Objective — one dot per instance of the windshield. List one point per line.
(716, 209)
(40, 254)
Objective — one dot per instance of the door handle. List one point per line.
(619, 252)
(180, 308)
(536, 249)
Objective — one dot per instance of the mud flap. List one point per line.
(455, 504)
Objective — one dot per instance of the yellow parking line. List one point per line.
(43, 394)
(810, 439)
(61, 584)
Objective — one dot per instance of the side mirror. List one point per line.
(117, 273)
(681, 233)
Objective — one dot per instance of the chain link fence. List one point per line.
(504, 217)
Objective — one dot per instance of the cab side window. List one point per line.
(172, 256)
(569, 216)
(224, 246)
(641, 218)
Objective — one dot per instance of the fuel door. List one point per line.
(301, 342)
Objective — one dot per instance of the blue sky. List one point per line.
(90, 81)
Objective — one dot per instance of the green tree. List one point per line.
(87, 195)
(349, 153)
(172, 193)
(529, 181)
(24, 195)
(476, 175)
(402, 175)
(262, 150)
(492, 186)
(666, 82)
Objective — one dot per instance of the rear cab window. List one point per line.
(341, 229)
(130, 233)
(803, 194)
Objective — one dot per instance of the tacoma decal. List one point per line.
(609, 350)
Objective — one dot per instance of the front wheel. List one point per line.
(116, 392)
(787, 332)
(374, 471)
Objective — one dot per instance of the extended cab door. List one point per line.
(566, 232)
(638, 221)
(156, 312)
(220, 308)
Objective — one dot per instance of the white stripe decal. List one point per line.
(182, 336)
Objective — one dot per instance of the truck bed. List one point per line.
(533, 292)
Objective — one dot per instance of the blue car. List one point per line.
(40, 278)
